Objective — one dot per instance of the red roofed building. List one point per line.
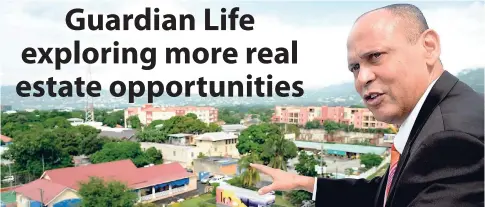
(5, 140)
(151, 183)
(148, 113)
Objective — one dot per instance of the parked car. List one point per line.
(206, 179)
(219, 179)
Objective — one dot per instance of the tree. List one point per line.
(306, 165)
(152, 135)
(314, 124)
(278, 150)
(134, 122)
(34, 151)
(296, 197)
(192, 115)
(57, 122)
(213, 127)
(249, 175)
(154, 156)
(97, 192)
(252, 139)
(370, 160)
(119, 151)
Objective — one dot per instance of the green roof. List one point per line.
(361, 149)
(8, 197)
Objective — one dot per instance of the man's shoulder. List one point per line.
(461, 110)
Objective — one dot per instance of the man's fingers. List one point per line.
(266, 189)
(264, 169)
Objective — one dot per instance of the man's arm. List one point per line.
(447, 170)
(346, 192)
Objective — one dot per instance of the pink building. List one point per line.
(359, 117)
(148, 113)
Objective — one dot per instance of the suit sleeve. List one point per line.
(448, 171)
(346, 192)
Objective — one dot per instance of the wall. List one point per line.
(183, 154)
(65, 195)
(217, 148)
(201, 165)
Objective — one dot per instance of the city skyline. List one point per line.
(320, 28)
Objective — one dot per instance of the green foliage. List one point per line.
(230, 115)
(314, 124)
(114, 151)
(97, 192)
(252, 139)
(174, 125)
(154, 156)
(31, 148)
(57, 122)
(191, 115)
(370, 160)
(145, 205)
(134, 122)
(154, 123)
(152, 135)
(249, 175)
(306, 165)
(201, 155)
(278, 151)
(214, 189)
(296, 197)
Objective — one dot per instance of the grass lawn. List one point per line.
(282, 202)
(193, 202)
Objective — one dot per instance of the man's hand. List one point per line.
(284, 181)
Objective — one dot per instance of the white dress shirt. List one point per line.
(404, 130)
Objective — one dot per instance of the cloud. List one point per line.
(321, 47)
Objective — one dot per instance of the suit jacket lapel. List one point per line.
(439, 91)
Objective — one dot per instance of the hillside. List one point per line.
(473, 77)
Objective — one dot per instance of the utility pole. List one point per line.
(321, 160)
(43, 169)
(41, 196)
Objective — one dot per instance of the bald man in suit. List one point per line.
(437, 155)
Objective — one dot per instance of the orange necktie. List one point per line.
(394, 159)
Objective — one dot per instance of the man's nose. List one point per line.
(366, 76)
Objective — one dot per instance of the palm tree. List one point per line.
(279, 150)
(249, 175)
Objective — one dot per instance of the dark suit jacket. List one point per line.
(441, 164)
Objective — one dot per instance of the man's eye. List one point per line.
(375, 56)
(354, 67)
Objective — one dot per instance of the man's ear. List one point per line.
(432, 46)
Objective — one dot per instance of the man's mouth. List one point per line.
(372, 96)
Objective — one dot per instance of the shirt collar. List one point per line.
(406, 127)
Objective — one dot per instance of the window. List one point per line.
(174, 153)
(192, 154)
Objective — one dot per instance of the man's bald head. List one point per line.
(412, 17)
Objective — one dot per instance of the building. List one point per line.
(361, 118)
(59, 187)
(218, 144)
(341, 150)
(182, 154)
(5, 140)
(148, 113)
(233, 128)
(216, 165)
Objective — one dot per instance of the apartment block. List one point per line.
(148, 113)
(360, 117)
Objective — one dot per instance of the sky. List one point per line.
(320, 27)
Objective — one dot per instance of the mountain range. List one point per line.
(343, 94)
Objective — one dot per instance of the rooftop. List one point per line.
(5, 138)
(361, 149)
(49, 188)
(232, 127)
(216, 136)
(180, 135)
(220, 160)
(123, 170)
